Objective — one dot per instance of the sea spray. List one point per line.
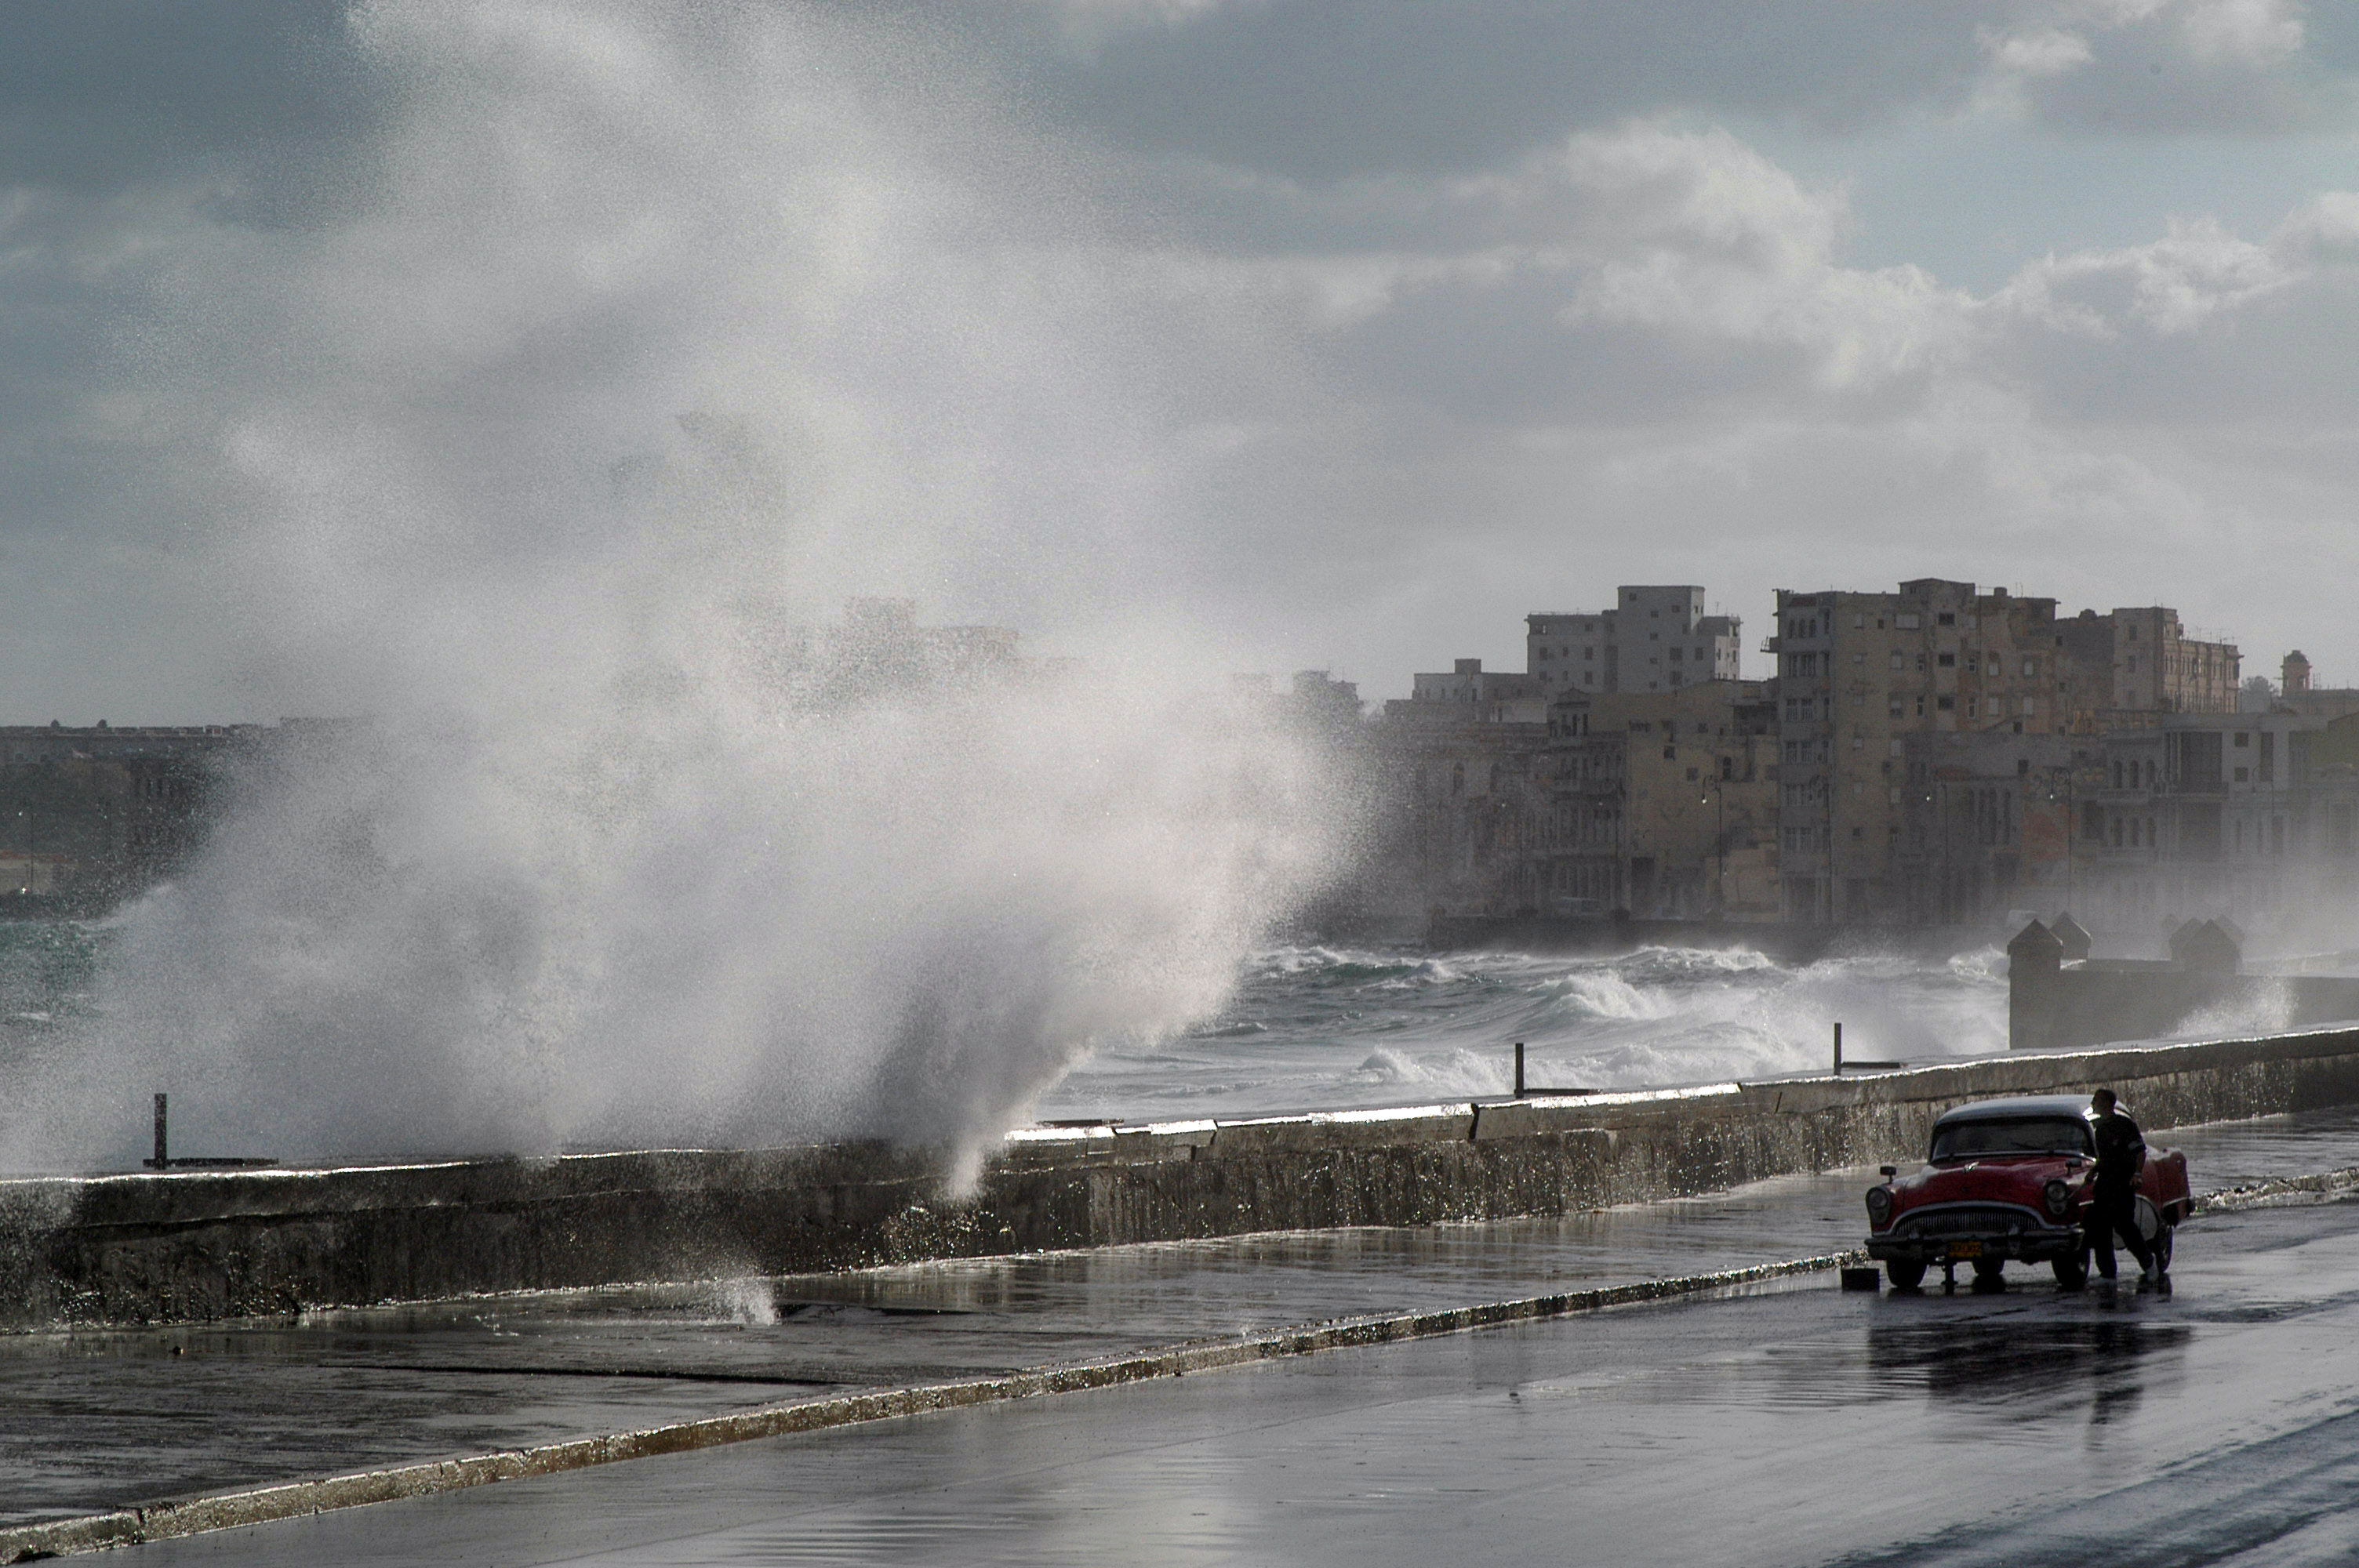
(643, 339)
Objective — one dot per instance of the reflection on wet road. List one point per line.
(1800, 1425)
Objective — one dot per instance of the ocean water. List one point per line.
(1337, 1027)
(1314, 1027)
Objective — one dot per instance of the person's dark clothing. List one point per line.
(2113, 1211)
(2113, 1207)
(2121, 1151)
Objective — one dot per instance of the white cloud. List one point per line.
(2172, 285)
(2048, 52)
(2252, 32)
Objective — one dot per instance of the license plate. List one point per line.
(1965, 1249)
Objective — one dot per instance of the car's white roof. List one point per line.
(2017, 1109)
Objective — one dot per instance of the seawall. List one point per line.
(197, 1245)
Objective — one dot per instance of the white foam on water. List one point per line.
(1354, 1026)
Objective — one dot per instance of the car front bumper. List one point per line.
(2035, 1245)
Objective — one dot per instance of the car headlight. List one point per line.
(1879, 1206)
(2060, 1198)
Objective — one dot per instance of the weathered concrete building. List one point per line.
(1468, 807)
(88, 814)
(1467, 693)
(2254, 815)
(1654, 639)
(1859, 673)
(1987, 822)
(1663, 804)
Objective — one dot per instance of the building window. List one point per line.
(1946, 619)
(2242, 773)
(1694, 776)
(2031, 666)
(2244, 737)
(1896, 709)
(1946, 704)
(1906, 622)
(2030, 706)
(1898, 662)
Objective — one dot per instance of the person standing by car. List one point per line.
(2112, 1195)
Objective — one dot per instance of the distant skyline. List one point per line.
(1342, 335)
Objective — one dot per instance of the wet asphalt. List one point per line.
(1797, 1424)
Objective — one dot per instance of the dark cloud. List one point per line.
(1500, 316)
(98, 96)
(1328, 91)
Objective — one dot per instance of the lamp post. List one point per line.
(1714, 793)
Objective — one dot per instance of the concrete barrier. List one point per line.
(183, 1246)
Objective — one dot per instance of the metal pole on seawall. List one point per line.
(1837, 1050)
(161, 1161)
(1519, 1069)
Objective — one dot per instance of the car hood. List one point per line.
(2008, 1178)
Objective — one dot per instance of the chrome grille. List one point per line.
(1965, 1219)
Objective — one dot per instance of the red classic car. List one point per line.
(2008, 1179)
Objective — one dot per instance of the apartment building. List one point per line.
(1659, 803)
(2141, 660)
(1467, 806)
(1654, 639)
(1987, 822)
(1467, 693)
(1859, 673)
(2256, 816)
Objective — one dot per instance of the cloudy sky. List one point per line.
(1342, 334)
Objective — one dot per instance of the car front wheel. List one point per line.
(2071, 1270)
(1904, 1274)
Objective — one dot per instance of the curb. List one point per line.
(293, 1500)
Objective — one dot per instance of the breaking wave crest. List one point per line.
(1338, 1025)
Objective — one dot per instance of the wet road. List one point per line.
(94, 1420)
(1798, 1425)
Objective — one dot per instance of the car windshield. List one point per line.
(2012, 1135)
